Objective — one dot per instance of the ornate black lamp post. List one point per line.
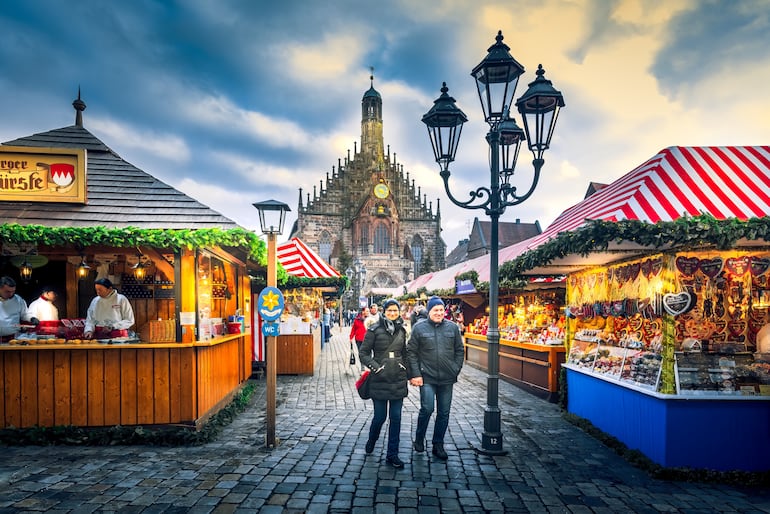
(496, 79)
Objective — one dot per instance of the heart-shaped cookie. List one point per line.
(678, 303)
(687, 265)
(647, 268)
(736, 327)
(711, 267)
(738, 266)
(759, 265)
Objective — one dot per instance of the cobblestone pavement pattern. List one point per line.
(320, 465)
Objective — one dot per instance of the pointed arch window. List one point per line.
(364, 241)
(417, 251)
(381, 239)
(325, 246)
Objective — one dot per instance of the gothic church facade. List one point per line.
(369, 210)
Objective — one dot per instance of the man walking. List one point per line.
(434, 357)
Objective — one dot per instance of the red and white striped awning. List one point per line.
(300, 261)
(724, 181)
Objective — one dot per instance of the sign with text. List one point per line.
(30, 174)
(271, 329)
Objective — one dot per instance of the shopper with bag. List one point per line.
(384, 353)
(358, 332)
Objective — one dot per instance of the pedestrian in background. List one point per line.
(374, 316)
(435, 357)
(384, 353)
(358, 332)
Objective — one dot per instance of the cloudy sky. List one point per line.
(238, 101)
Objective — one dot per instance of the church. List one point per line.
(369, 214)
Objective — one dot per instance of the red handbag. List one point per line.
(362, 385)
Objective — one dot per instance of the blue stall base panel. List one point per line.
(722, 434)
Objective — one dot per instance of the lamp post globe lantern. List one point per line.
(496, 78)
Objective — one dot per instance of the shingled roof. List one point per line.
(119, 194)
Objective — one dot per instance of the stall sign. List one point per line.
(270, 303)
(464, 287)
(30, 174)
(271, 329)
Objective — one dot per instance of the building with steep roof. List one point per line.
(478, 244)
(118, 193)
(369, 210)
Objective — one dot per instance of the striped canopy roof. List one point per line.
(301, 261)
(724, 181)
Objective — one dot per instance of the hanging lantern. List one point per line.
(140, 270)
(83, 268)
(25, 270)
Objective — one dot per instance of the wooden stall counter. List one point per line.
(297, 353)
(533, 367)
(98, 384)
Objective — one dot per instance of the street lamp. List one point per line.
(358, 272)
(496, 79)
(272, 215)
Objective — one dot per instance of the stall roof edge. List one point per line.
(147, 203)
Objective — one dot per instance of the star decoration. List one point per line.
(270, 300)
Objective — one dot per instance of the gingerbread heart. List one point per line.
(756, 325)
(678, 303)
(719, 326)
(657, 267)
(687, 265)
(711, 267)
(647, 268)
(759, 265)
(736, 327)
(633, 270)
(738, 266)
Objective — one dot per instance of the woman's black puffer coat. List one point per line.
(388, 364)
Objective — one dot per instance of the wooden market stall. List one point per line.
(531, 349)
(299, 343)
(181, 265)
(668, 306)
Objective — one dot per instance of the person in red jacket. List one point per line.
(358, 331)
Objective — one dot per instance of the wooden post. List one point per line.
(272, 350)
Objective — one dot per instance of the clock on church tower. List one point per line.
(381, 190)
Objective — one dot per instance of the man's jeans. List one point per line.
(430, 394)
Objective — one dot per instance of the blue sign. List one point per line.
(464, 287)
(270, 303)
(270, 329)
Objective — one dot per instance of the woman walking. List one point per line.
(384, 353)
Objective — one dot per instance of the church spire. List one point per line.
(372, 143)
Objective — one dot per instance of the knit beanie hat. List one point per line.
(389, 302)
(434, 301)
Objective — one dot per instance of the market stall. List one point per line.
(667, 314)
(299, 342)
(531, 325)
(86, 214)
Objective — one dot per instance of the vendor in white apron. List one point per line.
(110, 313)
